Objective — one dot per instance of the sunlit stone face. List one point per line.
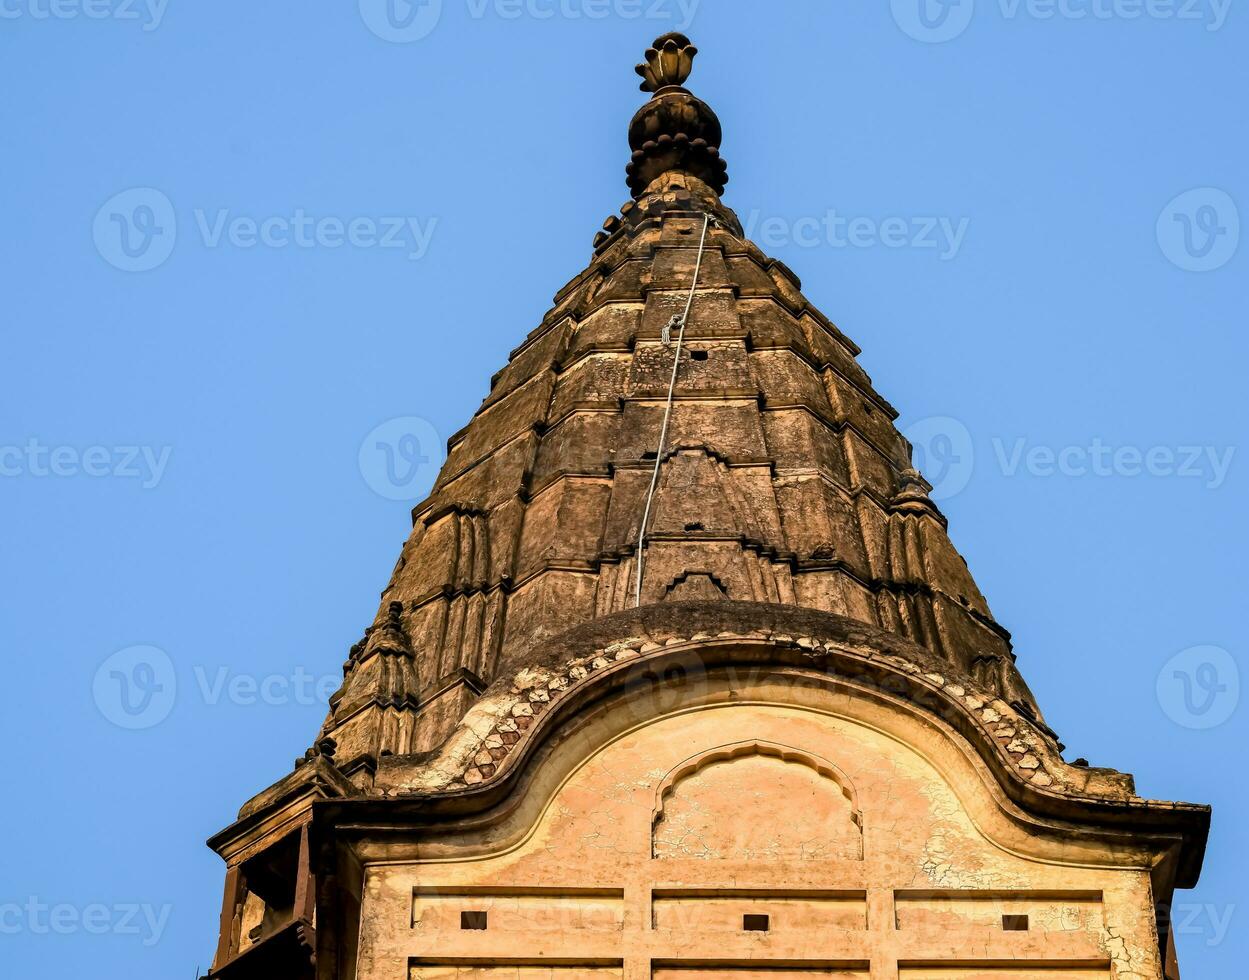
(723, 807)
(762, 839)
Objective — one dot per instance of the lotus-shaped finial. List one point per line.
(669, 62)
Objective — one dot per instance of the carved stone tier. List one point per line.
(784, 480)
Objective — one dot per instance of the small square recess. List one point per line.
(752, 922)
(473, 920)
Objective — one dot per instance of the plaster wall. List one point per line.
(874, 848)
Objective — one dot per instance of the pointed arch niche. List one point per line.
(756, 801)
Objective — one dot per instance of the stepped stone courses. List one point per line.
(486, 796)
(784, 480)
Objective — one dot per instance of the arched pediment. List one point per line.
(659, 658)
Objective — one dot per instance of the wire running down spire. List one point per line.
(680, 320)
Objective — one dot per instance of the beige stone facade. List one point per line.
(801, 749)
(873, 845)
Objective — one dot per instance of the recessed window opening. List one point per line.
(270, 881)
(754, 922)
(473, 920)
(698, 355)
(695, 526)
(1015, 923)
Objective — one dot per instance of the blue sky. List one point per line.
(241, 237)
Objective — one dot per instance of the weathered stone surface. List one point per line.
(783, 478)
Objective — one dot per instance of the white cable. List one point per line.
(663, 432)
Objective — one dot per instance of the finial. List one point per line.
(912, 496)
(389, 636)
(674, 132)
(325, 749)
(668, 62)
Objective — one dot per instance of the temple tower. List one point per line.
(679, 675)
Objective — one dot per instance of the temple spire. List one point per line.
(668, 586)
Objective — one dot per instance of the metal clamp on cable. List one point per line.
(677, 321)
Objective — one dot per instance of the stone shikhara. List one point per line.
(808, 724)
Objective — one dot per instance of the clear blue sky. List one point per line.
(1001, 185)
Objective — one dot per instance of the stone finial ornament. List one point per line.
(390, 636)
(669, 62)
(912, 496)
(674, 131)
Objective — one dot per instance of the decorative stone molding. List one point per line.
(505, 721)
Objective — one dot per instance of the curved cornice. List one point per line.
(484, 760)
